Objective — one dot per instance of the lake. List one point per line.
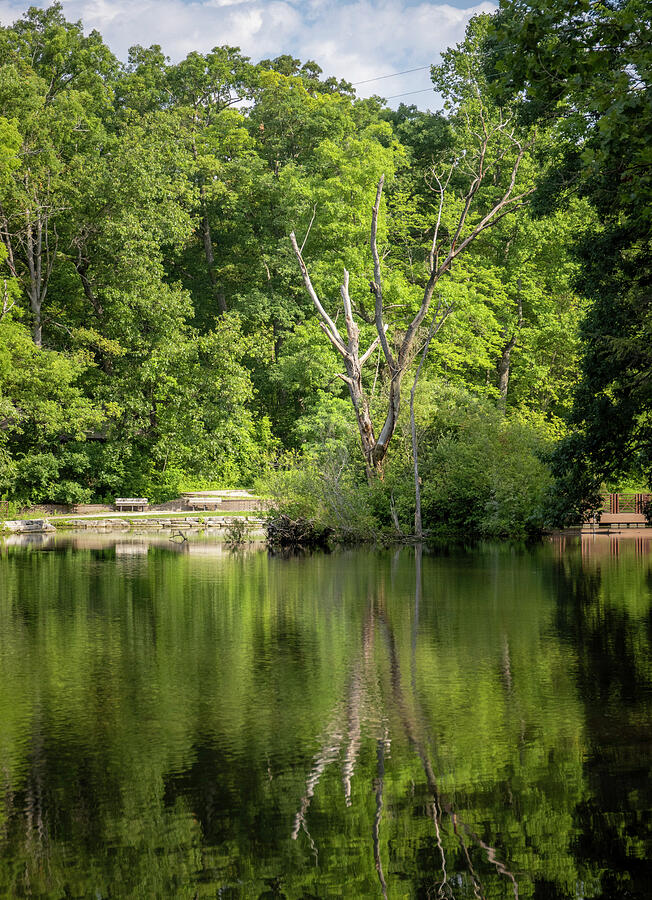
(178, 720)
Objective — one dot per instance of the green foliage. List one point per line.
(145, 225)
(583, 70)
(328, 491)
(45, 420)
(482, 470)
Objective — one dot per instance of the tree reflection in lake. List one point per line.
(604, 613)
(200, 725)
(365, 705)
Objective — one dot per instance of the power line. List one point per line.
(407, 93)
(392, 75)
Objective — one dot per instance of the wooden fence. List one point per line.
(624, 503)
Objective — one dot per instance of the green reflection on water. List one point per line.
(184, 722)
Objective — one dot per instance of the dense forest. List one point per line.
(217, 273)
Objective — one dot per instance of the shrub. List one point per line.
(482, 471)
(329, 493)
(647, 511)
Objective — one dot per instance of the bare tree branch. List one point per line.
(376, 285)
(314, 213)
(327, 323)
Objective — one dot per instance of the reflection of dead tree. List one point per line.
(353, 731)
(418, 556)
(326, 755)
(477, 887)
(411, 730)
(357, 695)
(435, 814)
(507, 665)
(380, 755)
(335, 733)
(36, 835)
(435, 811)
(491, 856)
(359, 691)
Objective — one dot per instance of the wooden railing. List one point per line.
(624, 503)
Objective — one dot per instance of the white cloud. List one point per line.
(356, 40)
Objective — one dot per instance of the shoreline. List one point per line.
(182, 522)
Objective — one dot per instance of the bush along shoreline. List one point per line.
(484, 474)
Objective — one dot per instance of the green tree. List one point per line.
(585, 68)
(45, 419)
(54, 83)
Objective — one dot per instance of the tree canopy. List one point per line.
(156, 333)
(583, 68)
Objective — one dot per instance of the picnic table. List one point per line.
(135, 504)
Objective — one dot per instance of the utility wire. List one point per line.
(407, 93)
(392, 75)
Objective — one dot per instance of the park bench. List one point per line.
(225, 500)
(134, 504)
(203, 502)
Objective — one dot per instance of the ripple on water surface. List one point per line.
(179, 720)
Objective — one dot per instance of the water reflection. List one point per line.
(183, 721)
(365, 709)
(137, 543)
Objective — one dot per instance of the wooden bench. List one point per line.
(624, 518)
(204, 502)
(90, 509)
(135, 504)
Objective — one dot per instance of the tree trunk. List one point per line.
(82, 270)
(31, 254)
(210, 263)
(505, 359)
(34, 247)
(207, 239)
(362, 414)
(418, 526)
(436, 324)
(503, 368)
(391, 419)
(37, 326)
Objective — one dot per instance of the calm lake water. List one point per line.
(181, 721)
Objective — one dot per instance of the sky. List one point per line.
(352, 39)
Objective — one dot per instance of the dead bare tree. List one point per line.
(444, 250)
(6, 305)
